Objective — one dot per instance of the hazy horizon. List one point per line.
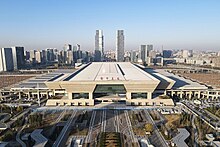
(51, 24)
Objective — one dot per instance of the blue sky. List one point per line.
(175, 24)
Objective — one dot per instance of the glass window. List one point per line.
(112, 88)
(80, 95)
(138, 95)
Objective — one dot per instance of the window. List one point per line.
(111, 88)
(80, 95)
(138, 95)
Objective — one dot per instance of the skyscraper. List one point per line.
(67, 47)
(99, 46)
(149, 48)
(167, 53)
(133, 56)
(120, 46)
(38, 57)
(144, 53)
(6, 59)
(18, 57)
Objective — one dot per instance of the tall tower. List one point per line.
(6, 59)
(99, 45)
(120, 46)
(143, 51)
(18, 57)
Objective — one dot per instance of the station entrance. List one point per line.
(110, 93)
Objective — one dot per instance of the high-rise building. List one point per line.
(32, 56)
(149, 48)
(50, 55)
(133, 56)
(120, 46)
(1, 61)
(99, 46)
(70, 57)
(185, 53)
(6, 59)
(38, 57)
(18, 57)
(44, 56)
(67, 47)
(97, 56)
(27, 55)
(144, 53)
(78, 47)
(167, 53)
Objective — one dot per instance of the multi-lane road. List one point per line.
(64, 134)
(110, 121)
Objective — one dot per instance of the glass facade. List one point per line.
(80, 95)
(138, 95)
(112, 88)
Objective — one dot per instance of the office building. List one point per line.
(32, 56)
(50, 55)
(185, 53)
(43, 56)
(143, 53)
(38, 56)
(120, 46)
(133, 56)
(6, 59)
(167, 53)
(67, 47)
(150, 48)
(18, 57)
(70, 57)
(99, 46)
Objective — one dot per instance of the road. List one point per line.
(110, 121)
(131, 133)
(18, 137)
(103, 121)
(63, 136)
(195, 131)
(212, 115)
(15, 118)
(91, 126)
(208, 119)
(160, 139)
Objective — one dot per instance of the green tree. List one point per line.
(149, 127)
(19, 109)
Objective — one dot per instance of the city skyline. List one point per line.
(173, 25)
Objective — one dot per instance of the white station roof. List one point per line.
(110, 71)
(181, 82)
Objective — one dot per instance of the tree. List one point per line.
(19, 109)
(149, 127)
